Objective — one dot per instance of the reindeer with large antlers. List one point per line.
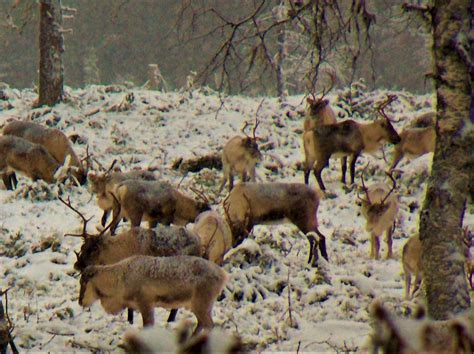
(346, 138)
(104, 248)
(380, 208)
(240, 155)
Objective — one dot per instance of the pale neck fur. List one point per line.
(370, 136)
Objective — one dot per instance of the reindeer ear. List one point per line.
(309, 100)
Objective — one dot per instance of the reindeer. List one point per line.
(215, 235)
(379, 208)
(144, 282)
(250, 204)
(416, 140)
(155, 202)
(411, 261)
(240, 155)
(53, 140)
(103, 248)
(319, 110)
(21, 155)
(102, 184)
(346, 138)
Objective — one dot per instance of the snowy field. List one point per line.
(328, 306)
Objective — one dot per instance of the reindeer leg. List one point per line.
(14, 180)
(307, 171)
(389, 241)
(105, 215)
(317, 173)
(343, 169)
(172, 315)
(353, 165)
(322, 245)
(7, 181)
(130, 315)
(312, 242)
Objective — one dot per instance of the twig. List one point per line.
(289, 298)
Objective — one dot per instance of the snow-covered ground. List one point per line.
(328, 306)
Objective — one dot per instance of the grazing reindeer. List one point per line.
(163, 241)
(53, 140)
(249, 204)
(411, 261)
(102, 184)
(379, 208)
(215, 235)
(21, 155)
(346, 138)
(417, 140)
(144, 282)
(155, 202)
(240, 155)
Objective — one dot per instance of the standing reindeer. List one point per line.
(379, 208)
(346, 138)
(103, 248)
(250, 204)
(240, 155)
(53, 140)
(144, 282)
(103, 184)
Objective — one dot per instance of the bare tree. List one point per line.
(250, 43)
(51, 71)
(452, 170)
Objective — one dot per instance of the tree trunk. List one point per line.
(51, 72)
(452, 169)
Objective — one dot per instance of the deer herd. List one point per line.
(171, 266)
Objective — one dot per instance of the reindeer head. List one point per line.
(371, 210)
(90, 249)
(317, 104)
(249, 143)
(98, 182)
(387, 130)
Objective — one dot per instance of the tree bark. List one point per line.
(452, 169)
(51, 72)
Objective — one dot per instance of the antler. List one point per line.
(325, 91)
(111, 167)
(381, 107)
(87, 159)
(364, 188)
(84, 220)
(394, 185)
(200, 194)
